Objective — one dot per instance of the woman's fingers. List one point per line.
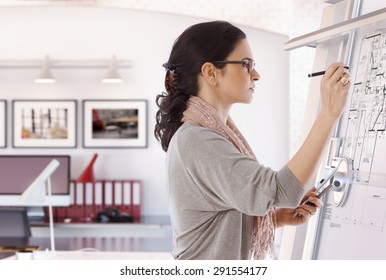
(334, 89)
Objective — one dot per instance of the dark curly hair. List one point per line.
(200, 43)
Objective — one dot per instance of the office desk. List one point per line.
(96, 255)
(148, 226)
(151, 234)
(120, 245)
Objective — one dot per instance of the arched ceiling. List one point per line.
(276, 16)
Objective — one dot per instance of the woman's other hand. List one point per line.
(300, 214)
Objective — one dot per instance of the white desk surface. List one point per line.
(148, 226)
(98, 255)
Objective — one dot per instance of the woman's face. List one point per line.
(236, 84)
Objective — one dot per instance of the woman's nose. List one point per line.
(255, 75)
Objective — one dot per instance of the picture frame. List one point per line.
(3, 123)
(44, 123)
(115, 123)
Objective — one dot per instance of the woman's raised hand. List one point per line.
(334, 88)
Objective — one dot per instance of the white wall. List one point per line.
(145, 38)
(288, 17)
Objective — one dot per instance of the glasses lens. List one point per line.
(251, 65)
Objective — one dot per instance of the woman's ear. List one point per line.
(209, 73)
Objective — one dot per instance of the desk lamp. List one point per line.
(39, 194)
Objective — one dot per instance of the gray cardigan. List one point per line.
(215, 191)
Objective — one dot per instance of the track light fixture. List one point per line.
(45, 74)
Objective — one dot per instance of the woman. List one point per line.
(224, 203)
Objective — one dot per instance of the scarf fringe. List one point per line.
(263, 237)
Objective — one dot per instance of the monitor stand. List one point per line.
(35, 214)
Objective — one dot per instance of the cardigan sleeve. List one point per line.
(230, 180)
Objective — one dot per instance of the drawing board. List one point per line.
(355, 228)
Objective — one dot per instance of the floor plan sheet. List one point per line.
(355, 229)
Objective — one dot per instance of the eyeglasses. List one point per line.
(247, 63)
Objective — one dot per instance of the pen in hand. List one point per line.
(322, 72)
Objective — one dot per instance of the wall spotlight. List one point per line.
(45, 76)
(112, 76)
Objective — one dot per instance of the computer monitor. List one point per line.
(14, 227)
(18, 172)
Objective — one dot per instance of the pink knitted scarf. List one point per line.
(200, 112)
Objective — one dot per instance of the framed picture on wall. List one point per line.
(115, 123)
(44, 123)
(3, 123)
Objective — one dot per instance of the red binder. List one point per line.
(88, 201)
(108, 193)
(127, 197)
(136, 187)
(71, 210)
(98, 197)
(118, 195)
(79, 202)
